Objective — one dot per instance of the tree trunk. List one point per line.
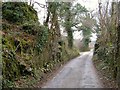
(68, 26)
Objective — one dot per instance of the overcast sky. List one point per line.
(89, 4)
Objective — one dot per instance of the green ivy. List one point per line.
(18, 12)
(42, 38)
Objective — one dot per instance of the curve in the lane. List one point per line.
(78, 73)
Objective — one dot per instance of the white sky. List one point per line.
(89, 4)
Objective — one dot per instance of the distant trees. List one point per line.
(72, 16)
(88, 24)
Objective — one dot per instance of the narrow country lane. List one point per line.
(78, 73)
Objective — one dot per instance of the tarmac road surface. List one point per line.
(78, 73)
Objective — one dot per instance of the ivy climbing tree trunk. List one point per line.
(54, 29)
(68, 25)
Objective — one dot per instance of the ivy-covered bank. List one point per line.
(29, 50)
